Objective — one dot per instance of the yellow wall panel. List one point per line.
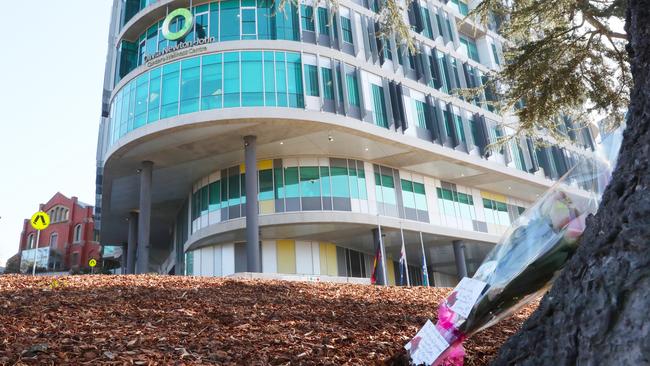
(267, 207)
(286, 252)
(261, 165)
(328, 262)
(390, 268)
(494, 196)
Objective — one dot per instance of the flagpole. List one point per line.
(424, 260)
(383, 252)
(406, 263)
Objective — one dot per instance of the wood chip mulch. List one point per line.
(163, 320)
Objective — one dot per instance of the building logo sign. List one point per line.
(187, 24)
(181, 49)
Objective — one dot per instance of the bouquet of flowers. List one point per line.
(523, 264)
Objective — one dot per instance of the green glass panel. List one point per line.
(190, 85)
(291, 187)
(325, 181)
(231, 80)
(229, 20)
(346, 28)
(307, 16)
(264, 19)
(153, 100)
(309, 182)
(353, 89)
(361, 176)
(281, 79)
(266, 185)
(354, 183)
(311, 80)
(323, 21)
(214, 20)
(269, 80)
(294, 80)
(141, 96)
(328, 84)
(204, 200)
(215, 196)
(340, 187)
(170, 90)
(252, 79)
(212, 80)
(248, 24)
(278, 183)
(234, 186)
(379, 106)
(408, 197)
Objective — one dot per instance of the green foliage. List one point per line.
(562, 59)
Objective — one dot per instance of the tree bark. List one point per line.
(598, 311)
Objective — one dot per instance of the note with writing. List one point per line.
(465, 295)
(427, 345)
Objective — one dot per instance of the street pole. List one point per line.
(406, 263)
(38, 239)
(424, 260)
(383, 252)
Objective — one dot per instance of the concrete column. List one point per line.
(254, 263)
(132, 243)
(459, 255)
(144, 219)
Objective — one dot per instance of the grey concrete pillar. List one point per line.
(144, 218)
(132, 243)
(254, 263)
(459, 255)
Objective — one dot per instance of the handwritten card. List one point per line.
(465, 295)
(427, 345)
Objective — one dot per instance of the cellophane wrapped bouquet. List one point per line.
(524, 263)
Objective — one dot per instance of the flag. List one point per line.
(375, 266)
(402, 265)
(425, 275)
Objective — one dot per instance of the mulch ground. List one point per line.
(162, 320)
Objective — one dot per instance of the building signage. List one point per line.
(181, 49)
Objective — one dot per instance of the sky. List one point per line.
(51, 78)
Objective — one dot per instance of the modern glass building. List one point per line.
(237, 136)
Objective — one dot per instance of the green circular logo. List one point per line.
(187, 26)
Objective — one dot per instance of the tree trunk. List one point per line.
(598, 311)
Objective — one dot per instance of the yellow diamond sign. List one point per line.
(40, 220)
(92, 263)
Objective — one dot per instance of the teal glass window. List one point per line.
(278, 183)
(269, 79)
(385, 48)
(231, 80)
(352, 178)
(214, 20)
(339, 179)
(340, 84)
(170, 90)
(204, 200)
(326, 184)
(252, 79)
(281, 79)
(291, 187)
(212, 80)
(307, 16)
(459, 127)
(234, 190)
(420, 117)
(448, 123)
(420, 196)
(353, 89)
(472, 50)
(152, 40)
(426, 20)
(294, 80)
(323, 21)
(266, 184)
(446, 81)
(287, 26)
(309, 182)
(379, 106)
(229, 20)
(462, 6)
(328, 83)
(264, 19)
(361, 177)
(201, 22)
(190, 85)
(248, 23)
(496, 212)
(346, 28)
(495, 54)
(408, 196)
(311, 80)
(215, 196)
(387, 188)
(141, 95)
(456, 204)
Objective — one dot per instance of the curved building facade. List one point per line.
(303, 141)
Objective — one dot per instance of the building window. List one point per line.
(307, 16)
(77, 234)
(496, 212)
(471, 49)
(462, 6)
(53, 239)
(455, 204)
(426, 19)
(495, 54)
(346, 27)
(30, 241)
(379, 106)
(420, 116)
(353, 89)
(248, 23)
(328, 84)
(323, 22)
(311, 80)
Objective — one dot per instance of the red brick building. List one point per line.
(70, 235)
